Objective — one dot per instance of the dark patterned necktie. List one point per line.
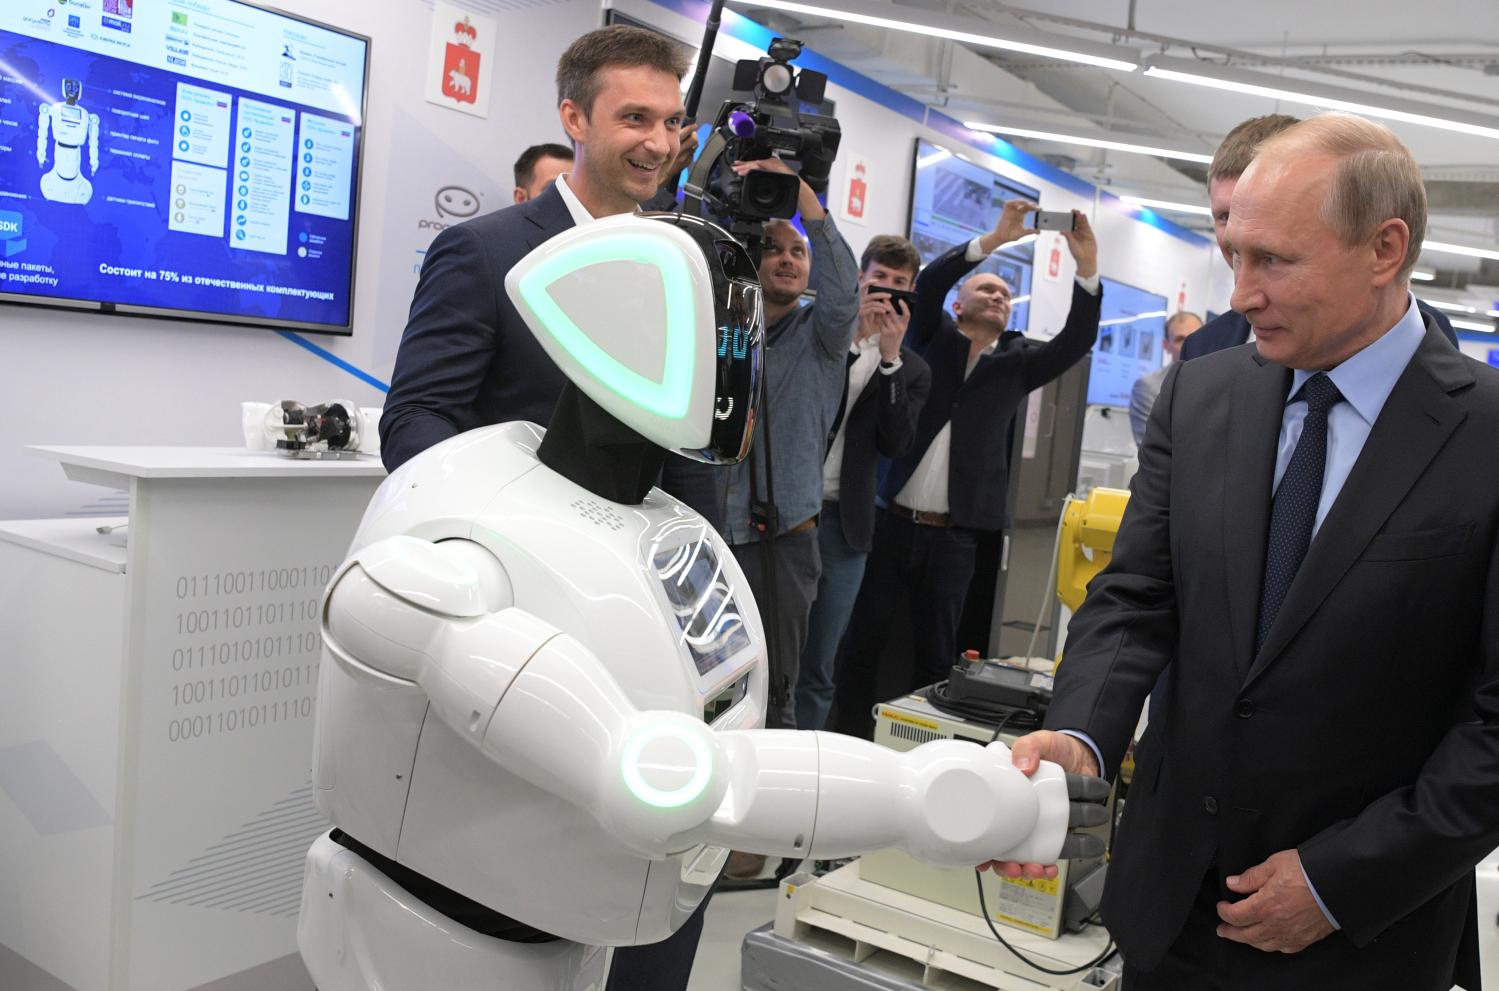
(1295, 507)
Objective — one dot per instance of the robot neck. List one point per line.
(588, 446)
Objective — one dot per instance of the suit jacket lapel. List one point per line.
(1416, 421)
(548, 215)
(1255, 407)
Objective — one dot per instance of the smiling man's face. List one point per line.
(626, 140)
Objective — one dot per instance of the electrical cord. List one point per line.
(981, 711)
(1108, 951)
(1048, 590)
(978, 875)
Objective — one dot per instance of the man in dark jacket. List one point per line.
(952, 484)
(884, 391)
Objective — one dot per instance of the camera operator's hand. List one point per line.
(1083, 245)
(806, 202)
(684, 155)
(879, 314)
(1011, 226)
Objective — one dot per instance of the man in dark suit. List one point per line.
(468, 360)
(1229, 330)
(538, 167)
(1312, 545)
(884, 391)
(953, 482)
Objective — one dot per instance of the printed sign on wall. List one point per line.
(853, 206)
(460, 59)
(1051, 269)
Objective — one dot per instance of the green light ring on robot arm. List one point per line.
(651, 795)
(667, 398)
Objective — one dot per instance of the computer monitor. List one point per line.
(196, 159)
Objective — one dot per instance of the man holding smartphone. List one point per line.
(883, 394)
(952, 484)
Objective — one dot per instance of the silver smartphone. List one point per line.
(1051, 220)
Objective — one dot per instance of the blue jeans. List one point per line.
(842, 571)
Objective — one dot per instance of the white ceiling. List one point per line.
(1404, 48)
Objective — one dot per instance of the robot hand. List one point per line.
(1087, 807)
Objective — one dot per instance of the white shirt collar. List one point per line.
(575, 206)
(1367, 378)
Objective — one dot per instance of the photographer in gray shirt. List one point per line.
(805, 364)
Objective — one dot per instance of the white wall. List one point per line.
(71, 378)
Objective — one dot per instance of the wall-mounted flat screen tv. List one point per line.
(183, 158)
(1131, 331)
(953, 201)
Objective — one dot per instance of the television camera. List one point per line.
(773, 123)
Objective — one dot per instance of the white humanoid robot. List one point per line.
(538, 727)
(72, 126)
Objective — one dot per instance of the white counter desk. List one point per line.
(156, 719)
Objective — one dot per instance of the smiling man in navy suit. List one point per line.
(468, 360)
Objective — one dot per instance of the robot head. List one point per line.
(657, 318)
(72, 89)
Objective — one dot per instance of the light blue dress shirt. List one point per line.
(1366, 381)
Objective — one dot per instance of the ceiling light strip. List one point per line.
(1022, 132)
(1460, 249)
(1167, 205)
(1320, 95)
(1482, 328)
(1102, 56)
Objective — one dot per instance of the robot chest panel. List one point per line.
(651, 589)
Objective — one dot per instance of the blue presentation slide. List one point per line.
(952, 202)
(195, 156)
(1131, 332)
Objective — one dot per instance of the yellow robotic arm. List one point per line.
(1087, 541)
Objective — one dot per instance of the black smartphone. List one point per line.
(897, 296)
(1051, 220)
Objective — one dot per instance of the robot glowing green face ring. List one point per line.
(657, 318)
(668, 397)
(660, 748)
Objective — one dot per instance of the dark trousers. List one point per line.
(663, 966)
(925, 569)
(798, 564)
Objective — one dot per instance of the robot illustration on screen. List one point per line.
(72, 126)
(539, 724)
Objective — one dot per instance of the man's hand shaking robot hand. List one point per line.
(538, 721)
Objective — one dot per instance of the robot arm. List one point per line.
(43, 121)
(93, 144)
(437, 617)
